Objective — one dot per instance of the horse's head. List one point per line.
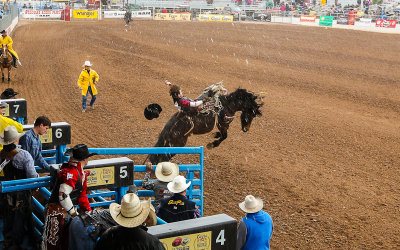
(247, 103)
(4, 50)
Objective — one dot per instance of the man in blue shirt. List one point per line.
(30, 141)
(255, 230)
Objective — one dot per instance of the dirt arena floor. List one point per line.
(324, 156)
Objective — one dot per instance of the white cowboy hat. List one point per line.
(10, 135)
(131, 212)
(87, 63)
(166, 171)
(178, 185)
(251, 204)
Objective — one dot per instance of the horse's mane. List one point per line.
(247, 100)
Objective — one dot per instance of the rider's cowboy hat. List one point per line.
(87, 63)
(251, 204)
(178, 185)
(8, 93)
(10, 135)
(79, 152)
(131, 212)
(3, 105)
(3, 31)
(166, 171)
(152, 111)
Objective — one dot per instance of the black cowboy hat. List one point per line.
(152, 111)
(8, 93)
(79, 152)
(3, 31)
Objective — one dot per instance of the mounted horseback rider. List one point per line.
(7, 40)
(128, 17)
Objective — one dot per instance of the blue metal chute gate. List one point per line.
(195, 191)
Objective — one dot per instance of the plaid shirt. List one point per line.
(160, 188)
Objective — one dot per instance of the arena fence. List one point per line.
(104, 197)
(9, 17)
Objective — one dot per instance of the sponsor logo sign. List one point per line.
(215, 18)
(172, 17)
(386, 23)
(365, 22)
(343, 20)
(191, 241)
(121, 14)
(84, 14)
(41, 14)
(326, 20)
(305, 18)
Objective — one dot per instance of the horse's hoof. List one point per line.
(210, 145)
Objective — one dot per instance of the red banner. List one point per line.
(304, 18)
(386, 23)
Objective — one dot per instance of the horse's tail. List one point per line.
(163, 141)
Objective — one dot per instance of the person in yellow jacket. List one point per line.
(5, 122)
(87, 83)
(7, 40)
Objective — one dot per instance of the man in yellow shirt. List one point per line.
(87, 83)
(7, 40)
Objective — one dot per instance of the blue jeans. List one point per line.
(79, 235)
(84, 98)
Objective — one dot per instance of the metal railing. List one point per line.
(8, 17)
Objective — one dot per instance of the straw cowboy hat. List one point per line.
(131, 212)
(178, 185)
(151, 219)
(166, 171)
(251, 204)
(87, 63)
(10, 135)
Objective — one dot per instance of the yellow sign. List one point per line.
(47, 138)
(100, 176)
(84, 14)
(197, 241)
(215, 18)
(172, 17)
(6, 111)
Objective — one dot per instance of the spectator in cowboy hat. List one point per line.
(9, 93)
(130, 233)
(85, 229)
(165, 172)
(255, 229)
(178, 207)
(5, 121)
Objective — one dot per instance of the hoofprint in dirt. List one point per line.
(324, 155)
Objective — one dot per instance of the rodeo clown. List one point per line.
(7, 40)
(69, 191)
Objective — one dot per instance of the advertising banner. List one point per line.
(364, 22)
(215, 18)
(343, 20)
(84, 14)
(114, 14)
(41, 14)
(326, 21)
(386, 23)
(172, 17)
(305, 18)
(143, 14)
